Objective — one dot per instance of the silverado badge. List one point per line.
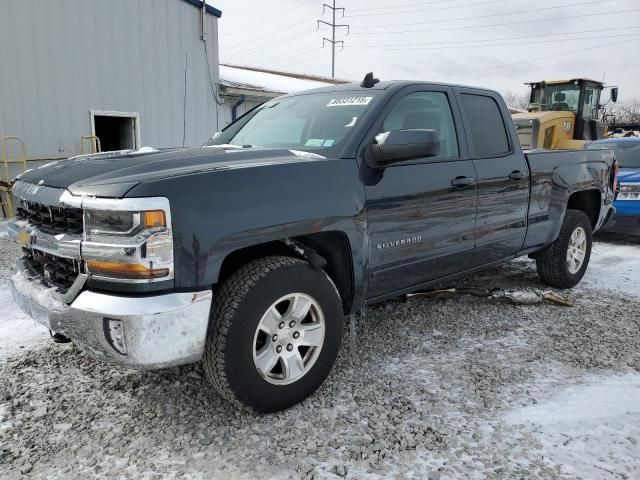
(399, 243)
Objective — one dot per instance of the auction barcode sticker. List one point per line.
(339, 102)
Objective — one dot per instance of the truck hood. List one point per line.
(113, 174)
(629, 175)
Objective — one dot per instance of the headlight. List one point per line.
(629, 191)
(98, 222)
(127, 244)
(101, 222)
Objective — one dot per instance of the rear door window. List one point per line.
(487, 125)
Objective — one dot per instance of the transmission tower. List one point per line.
(333, 26)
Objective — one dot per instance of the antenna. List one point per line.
(333, 26)
(369, 80)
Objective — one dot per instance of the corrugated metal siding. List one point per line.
(60, 59)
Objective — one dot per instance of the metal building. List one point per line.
(129, 72)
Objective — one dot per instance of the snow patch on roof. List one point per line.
(235, 77)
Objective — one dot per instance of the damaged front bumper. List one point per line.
(143, 332)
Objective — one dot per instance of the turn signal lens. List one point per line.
(125, 270)
(154, 218)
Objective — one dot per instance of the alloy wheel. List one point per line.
(288, 339)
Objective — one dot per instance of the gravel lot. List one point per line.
(462, 387)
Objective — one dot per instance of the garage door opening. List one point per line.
(116, 130)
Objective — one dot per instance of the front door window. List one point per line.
(426, 110)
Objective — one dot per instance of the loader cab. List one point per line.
(562, 114)
(579, 96)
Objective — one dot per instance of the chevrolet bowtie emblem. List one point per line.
(24, 238)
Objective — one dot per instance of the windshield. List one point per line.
(558, 98)
(315, 122)
(627, 153)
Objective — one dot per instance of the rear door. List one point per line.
(421, 225)
(502, 173)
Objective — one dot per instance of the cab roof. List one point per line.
(571, 80)
(386, 85)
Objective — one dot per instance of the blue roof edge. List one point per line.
(208, 8)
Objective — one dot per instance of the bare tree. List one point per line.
(517, 100)
(625, 111)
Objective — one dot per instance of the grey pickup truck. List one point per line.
(247, 253)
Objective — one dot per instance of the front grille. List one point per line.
(55, 271)
(51, 220)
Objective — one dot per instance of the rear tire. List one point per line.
(261, 297)
(563, 263)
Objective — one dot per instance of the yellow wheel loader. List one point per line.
(562, 114)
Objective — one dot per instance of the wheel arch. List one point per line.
(329, 250)
(588, 201)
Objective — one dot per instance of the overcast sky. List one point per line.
(493, 43)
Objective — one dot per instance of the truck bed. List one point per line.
(555, 176)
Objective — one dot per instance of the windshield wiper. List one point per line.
(228, 145)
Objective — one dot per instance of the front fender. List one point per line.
(216, 213)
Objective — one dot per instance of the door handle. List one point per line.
(463, 182)
(516, 175)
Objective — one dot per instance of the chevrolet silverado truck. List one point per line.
(246, 254)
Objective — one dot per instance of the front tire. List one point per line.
(563, 263)
(275, 332)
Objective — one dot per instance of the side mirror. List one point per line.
(614, 94)
(401, 145)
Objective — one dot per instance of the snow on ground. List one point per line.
(614, 267)
(591, 428)
(453, 388)
(18, 332)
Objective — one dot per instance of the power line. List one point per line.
(507, 65)
(271, 24)
(307, 59)
(286, 55)
(491, 15)
(494, 67)
(396, 6)
(263, 34)
(333, 26)
(260, 49)
(520, 22)
(476, 4)
(462, 44)
(289, 12)
(411, 46)
(511, 44)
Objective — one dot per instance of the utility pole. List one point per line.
(333, 26)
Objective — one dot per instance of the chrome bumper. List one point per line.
(144, 332)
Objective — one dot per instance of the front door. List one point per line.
(421, 214)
